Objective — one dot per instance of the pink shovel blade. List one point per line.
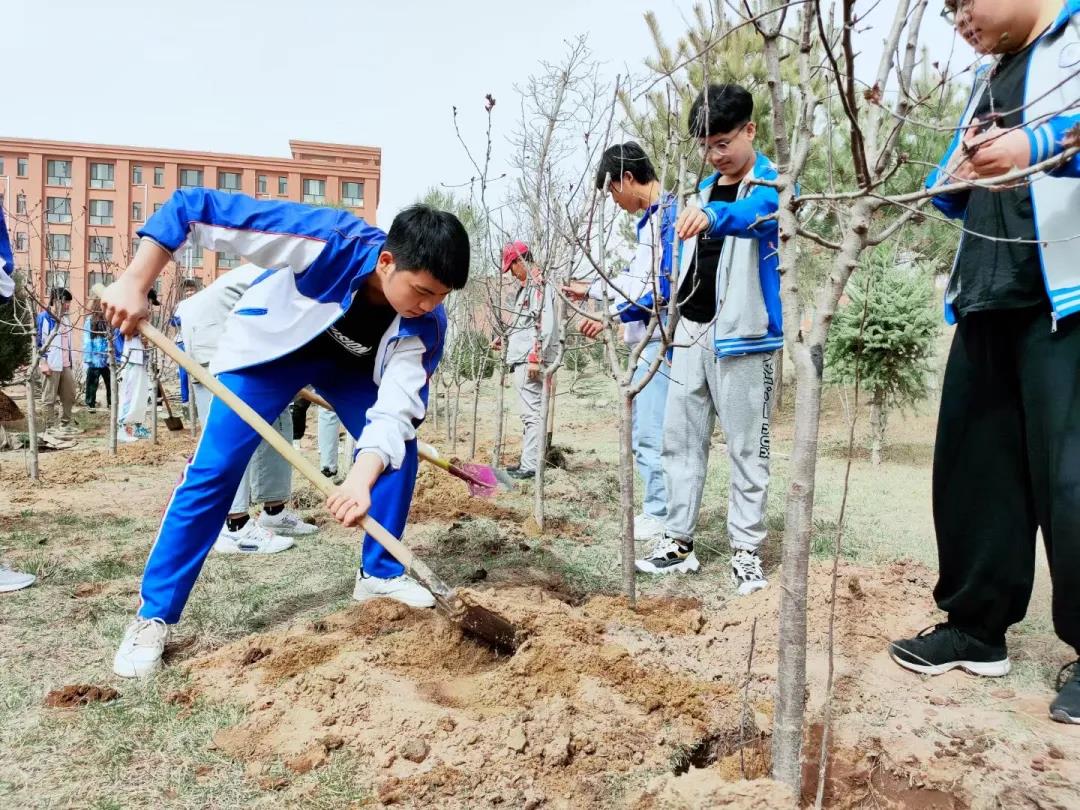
(480, 478)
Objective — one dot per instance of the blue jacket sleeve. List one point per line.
(742, 218)
(644, 307)
(271, 234)
(1048, 140)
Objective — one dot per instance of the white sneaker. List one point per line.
(141, 650)
(646, 527)
(14, 580)
(287, 523)
(746, 572)
(251, 539)
(404, 589)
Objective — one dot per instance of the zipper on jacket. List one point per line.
(1053, 322)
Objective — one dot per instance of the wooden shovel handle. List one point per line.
(271, 436)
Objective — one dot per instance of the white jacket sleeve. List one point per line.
(390, 420)
(627, 287)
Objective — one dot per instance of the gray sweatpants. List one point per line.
(739, 391)
(529, 392)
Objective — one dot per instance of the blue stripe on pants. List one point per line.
(200, 503)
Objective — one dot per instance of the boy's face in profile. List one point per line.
(993, 26)
(622, 193)
(411, 293)
(518, 270)
(730, 153)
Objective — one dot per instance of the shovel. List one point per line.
(483, 481)
(173, 423)
(476, 620)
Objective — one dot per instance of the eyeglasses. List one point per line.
(952, 8)
(722, 147)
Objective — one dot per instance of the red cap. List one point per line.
(512, 252)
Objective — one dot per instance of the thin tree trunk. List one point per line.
(475, 414)
(500, 414)
(879, 417)
(154, 392)
(114, 395)
(626, 497)
(554, 386)
(795, 567)
(457, 414)
(541, 456)
(31, 420)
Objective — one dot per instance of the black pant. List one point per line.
(92, 376)
(299, 417)
(1006, 463)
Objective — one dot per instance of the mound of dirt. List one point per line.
(9, 411)
(79, 694)
(441, 720)
(441, 497)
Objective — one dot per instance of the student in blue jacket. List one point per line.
(1005, 460)
(342, 306)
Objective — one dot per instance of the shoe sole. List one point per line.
(687, 567)
(984, 669)
(367, 597)
(1062, 716)
(129, 672)
(13, 588)
(746, 588)
(252, 553)
(283, 532)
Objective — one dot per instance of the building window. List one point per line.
(134, 247)
(315, 191)
(229, 182)
(57, 279)
(22, 243)
(102, 175)
(101, 212)
(98, 277)
(1, 167)
(159, 176)
(20, 204)
(58, 210)
(136, 212)
(190, 178)
(59, 246)
(136, 175)
(227, 260)
(100, 248)
(190, 255)
(22, 167)
(283, 186)
(261, 184)
(58, 172)
(352, 194)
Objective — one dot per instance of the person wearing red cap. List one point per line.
(531, 337)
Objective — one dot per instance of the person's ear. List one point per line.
(751, 130)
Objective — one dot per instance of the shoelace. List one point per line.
(1062, 679)
(663, 546)
(143, 626)
(747, 565)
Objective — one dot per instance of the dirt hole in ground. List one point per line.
(742, 752)
(79, 694)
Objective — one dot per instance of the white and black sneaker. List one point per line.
(746, 572)
(669, 556)
(944, 647)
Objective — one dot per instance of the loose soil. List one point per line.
(80, 694)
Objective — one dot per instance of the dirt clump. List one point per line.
(441, 497)
(79, 694)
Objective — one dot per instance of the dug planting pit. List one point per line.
(436, 718)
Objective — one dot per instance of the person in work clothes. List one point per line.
(96, 355)
(729, 329)
(626, 172)
(531, 337)
(1006, 460)
(341, 306)
(57, 360)
(268, 476)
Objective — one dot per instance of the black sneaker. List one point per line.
(328, 473)
(1066, 706)
(943, 647)
(520, 474)
(669, 556)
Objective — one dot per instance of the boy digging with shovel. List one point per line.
(341, 306)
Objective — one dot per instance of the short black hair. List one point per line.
(720, 108)
(58, 295)
(425, 238)
(189, 284)
(621, 158)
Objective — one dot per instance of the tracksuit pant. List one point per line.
(329, 430)
(1006, 464)
(200, 503)
(647, 434)
(739, 391)
(134, 395)
(529, 392)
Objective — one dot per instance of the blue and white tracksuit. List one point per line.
(725, 369)
(317, 259)
(646, 280)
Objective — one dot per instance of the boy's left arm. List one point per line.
(1055, 137)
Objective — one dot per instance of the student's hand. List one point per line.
(496, 344)
(998, 151)
(591, 328)
(349, 503)
(43, 367)
(124, 304)
(532, 371)
(691, 222)
(576, 290)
